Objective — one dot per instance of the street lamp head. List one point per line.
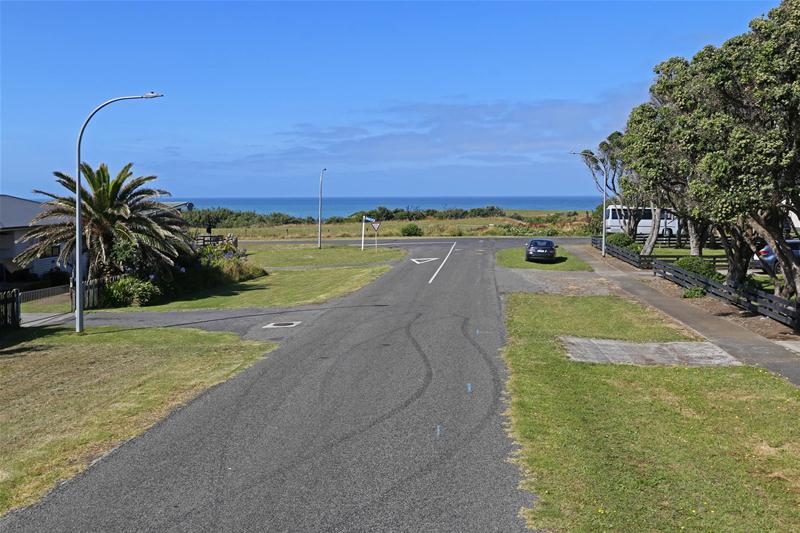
(152, 94)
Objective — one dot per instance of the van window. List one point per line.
(647, 214)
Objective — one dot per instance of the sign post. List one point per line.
(376, 225)
(364, 219)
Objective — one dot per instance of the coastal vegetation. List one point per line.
(510, 224)
(718, 145)
(645, 448)
(68, 399)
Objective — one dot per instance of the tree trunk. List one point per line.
(695, 237)
(738, 252)
(650, 243)
(787, 262)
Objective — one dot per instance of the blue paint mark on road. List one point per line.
(477, 332)
(439, 430)
(469, 388)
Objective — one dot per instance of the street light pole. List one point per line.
(78, 241)
(319, 213)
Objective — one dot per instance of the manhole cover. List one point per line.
(281, 325)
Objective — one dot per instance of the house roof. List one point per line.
(18, 212)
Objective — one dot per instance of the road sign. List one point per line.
(423, 260)
(376, 225)
(369, 219)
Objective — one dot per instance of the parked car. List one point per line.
(540, 250)
(769, 260)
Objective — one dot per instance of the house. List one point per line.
(15, 217)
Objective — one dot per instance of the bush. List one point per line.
(551, 231)
(411, 230)
(699, 266)
(129, 290)
(620, 239)
(694, 292)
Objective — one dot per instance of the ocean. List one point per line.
(343, 206)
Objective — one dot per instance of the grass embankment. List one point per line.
(322, 278)
(306, 255)
(629, 448)
(515, 258)
(282, 288)
(66, 399)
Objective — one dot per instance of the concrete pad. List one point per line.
(647, 353)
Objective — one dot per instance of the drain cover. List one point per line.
(281, 325)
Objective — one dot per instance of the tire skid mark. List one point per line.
(314, 454)
(451, 450)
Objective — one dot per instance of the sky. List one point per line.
(394, 99)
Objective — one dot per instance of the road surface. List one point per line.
(382, 410)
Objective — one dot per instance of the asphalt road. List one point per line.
(382, 410)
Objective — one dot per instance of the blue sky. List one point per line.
(393, 98)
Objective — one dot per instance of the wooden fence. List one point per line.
(645, 262)
(93, 292)
(9, 309)
(763, 303)
(205, 240)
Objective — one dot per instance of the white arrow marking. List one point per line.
(423, 260)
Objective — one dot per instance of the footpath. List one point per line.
(743, 344)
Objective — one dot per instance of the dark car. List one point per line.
(540, 250)
(770, 260)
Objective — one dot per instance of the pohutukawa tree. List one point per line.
(122, 210)
(610, 173)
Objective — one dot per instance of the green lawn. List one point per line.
(629, 448)
(515, 258)
(708, 252)
(54, 304)
(282, 288)
(66, 399)
(283, 255)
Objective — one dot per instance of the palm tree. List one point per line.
(122, 209)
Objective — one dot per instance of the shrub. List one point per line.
(411, 230)
(699, 266)
(551, 231)
(129, 290)
(620, 239)
(694, 292)
(236, 269)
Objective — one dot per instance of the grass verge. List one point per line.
(629, 448)
(66, 399)
(515, 258)
(284, 255)
(283, 288)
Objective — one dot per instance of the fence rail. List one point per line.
(780, 309)
(645, 262)
(9, 309)
(39, 294)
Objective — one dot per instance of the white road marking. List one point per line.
(443, 262)
(423, 260)
(282, 324)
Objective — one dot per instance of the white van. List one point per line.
(616, 214)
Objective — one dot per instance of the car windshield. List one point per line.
(542, 244)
